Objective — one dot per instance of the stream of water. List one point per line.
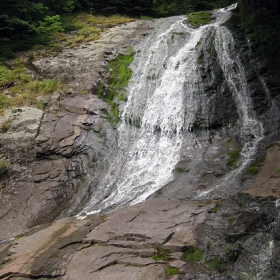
(156, 116)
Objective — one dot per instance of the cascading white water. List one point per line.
(252, 130)
(155, 119)
(148, 152)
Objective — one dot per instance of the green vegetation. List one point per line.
(260, 21)
(26, 23)
(192, 255)
(180, 170)
(222, 264)
(254, 168)
(116, 77)
(7, 77)
(217, 207)
(232, 255)
(88, 27)
(178, 7)
(19, 236)
(277, 170)
(199, 18)
(241, 199)
(161, 255)
(171, 270)
(23, 89)
(234, 158)
(41, 105)
(4, 126)
(232, 222)
(216, 264)
(4, 164)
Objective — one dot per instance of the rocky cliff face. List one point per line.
(51, 159)
(189, 229)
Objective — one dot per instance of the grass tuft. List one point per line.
(161, 255)
(22, 88)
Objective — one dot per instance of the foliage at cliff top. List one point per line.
(25, 23)
(260, 19)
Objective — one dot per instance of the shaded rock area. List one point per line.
(46, 167)
(50, 160)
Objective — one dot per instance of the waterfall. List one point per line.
(163, 99)
(251, 130)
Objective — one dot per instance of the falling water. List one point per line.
(252, 130)
(155, 118)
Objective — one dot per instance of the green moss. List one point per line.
(171, 270)
(234, 157)
(192, 255)
(199, 18)
(161, 255)
(116, 77)
(19, 236)
(254, 168)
